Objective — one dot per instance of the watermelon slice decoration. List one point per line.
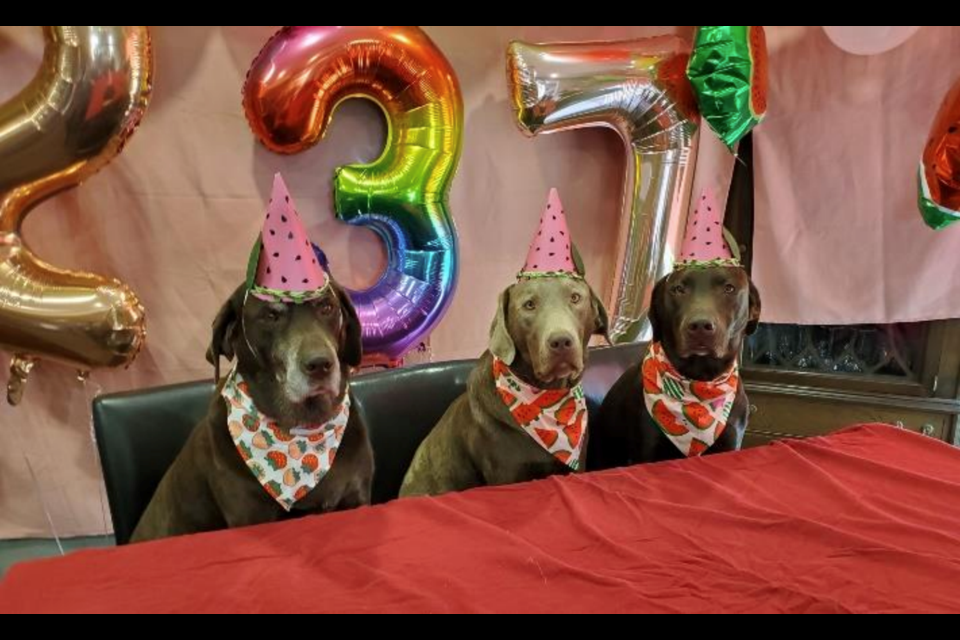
(706, 391)
(666, 420)
(549, 398)
(698, 415)
(575, 431)
(697, 447)
(939, 173)
(566, 412)
(508, 398)
(548, 437)
(728, 73)
(526, 413)
(651, 376)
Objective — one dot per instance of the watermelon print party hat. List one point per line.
(551, 252)
(283, 266)
(705, 244)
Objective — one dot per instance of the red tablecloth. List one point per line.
(867, 520)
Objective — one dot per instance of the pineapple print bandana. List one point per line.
(692, 414)
(555, 419)
(288, 464)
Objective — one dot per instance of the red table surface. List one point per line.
(866, 520)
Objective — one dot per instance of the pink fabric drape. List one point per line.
(839, 239)
(176, 213)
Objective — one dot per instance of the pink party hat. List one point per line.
(704, 243)
(287, 267)
(551, 252)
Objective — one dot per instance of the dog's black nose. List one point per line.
(561, 342)
(317, 367)
(702, 328)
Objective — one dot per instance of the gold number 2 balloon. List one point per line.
(68, 122)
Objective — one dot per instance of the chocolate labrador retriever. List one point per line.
(523, 416)
(700, 318)
(295, 362)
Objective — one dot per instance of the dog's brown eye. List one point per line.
(273, 316)
(730, 288)
(678, 290)
(326, 308)
(530, 305)
(576, 298)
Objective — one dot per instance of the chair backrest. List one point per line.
(400, 407)
(139, 434)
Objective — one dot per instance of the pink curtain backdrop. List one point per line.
(176, 213)
(839, 239)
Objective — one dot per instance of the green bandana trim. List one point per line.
(277, 295)
(295, 297)
(707, 264)
(533, 275)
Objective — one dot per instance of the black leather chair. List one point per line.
(400, 407)
(140, 433)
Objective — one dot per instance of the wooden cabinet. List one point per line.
(807, 381)
(797, 412)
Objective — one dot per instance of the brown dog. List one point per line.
(540, 333)
(700, 318)
(295, 359)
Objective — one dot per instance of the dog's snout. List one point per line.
(317, 366)
(702, 327)
(561, 342)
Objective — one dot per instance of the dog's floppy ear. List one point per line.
(755, 307)
(603, 320)
(656, 309)
(351, 348)
(225, 330)
(501, 344)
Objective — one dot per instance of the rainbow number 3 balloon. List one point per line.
(291, 93)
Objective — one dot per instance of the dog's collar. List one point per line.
(690, 413)
(287, 465)
(555, 419)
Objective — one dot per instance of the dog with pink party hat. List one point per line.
(524, 414)
(685, 397)
(280, 438)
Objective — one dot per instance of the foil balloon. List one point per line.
(868, 41)
(939, 176)
(728, 72)
(639, 89)
(290, 95)
(66, 124)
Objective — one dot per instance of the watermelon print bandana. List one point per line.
(555, 419)
(692, 414)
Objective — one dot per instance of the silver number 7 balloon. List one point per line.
(639, 89)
